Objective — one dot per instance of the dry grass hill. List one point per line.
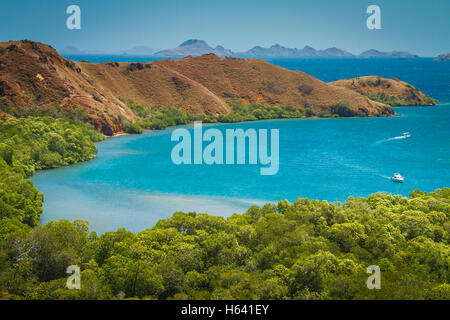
(390, 91)
(33, 76)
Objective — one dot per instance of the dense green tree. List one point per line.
(307, 249)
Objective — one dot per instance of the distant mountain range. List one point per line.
(196, 47)
(280, 51)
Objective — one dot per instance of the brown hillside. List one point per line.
(390, 91)
(34, 76)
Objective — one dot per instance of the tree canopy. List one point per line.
(307, 249)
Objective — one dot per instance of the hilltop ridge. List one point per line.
(34, 77)
(390, 91)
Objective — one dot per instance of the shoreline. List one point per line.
(124, 134)
(395, 115)
(158, 196)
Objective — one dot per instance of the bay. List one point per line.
(133, 183)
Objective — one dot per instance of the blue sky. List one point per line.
(418, 26)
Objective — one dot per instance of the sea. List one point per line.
(133, 182)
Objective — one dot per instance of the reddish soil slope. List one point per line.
(33, 76)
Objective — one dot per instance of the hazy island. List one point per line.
(443, 57)
(195, 47)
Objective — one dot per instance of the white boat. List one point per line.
(397, 178)
(406, 135)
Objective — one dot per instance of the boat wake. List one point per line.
(365, 169)
(405, 135)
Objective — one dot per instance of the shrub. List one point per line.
(305, 89)
(342, 109)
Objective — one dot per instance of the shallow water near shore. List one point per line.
(133, 183)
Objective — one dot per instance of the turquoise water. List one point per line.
(133, 182)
